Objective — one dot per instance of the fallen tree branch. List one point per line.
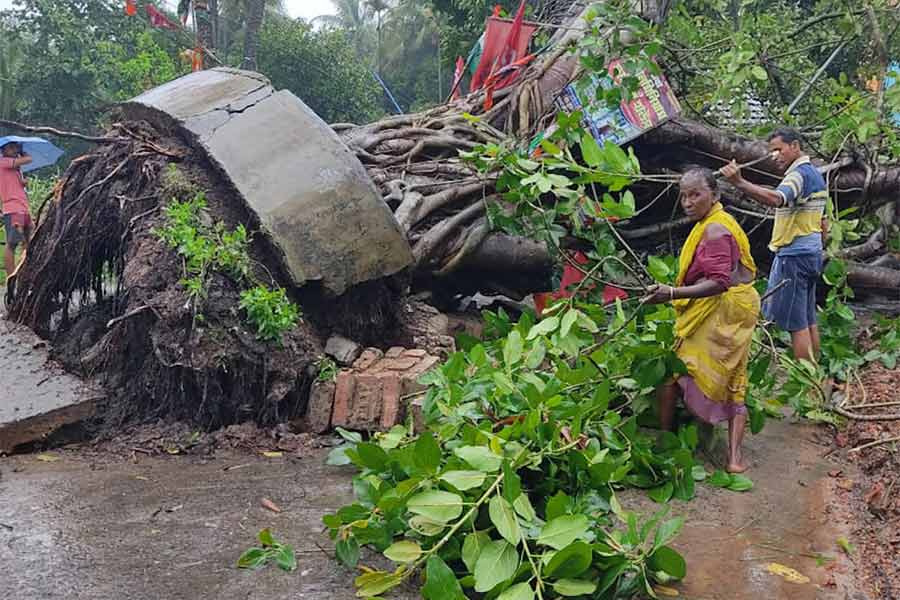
(875, 443)
(66, 134)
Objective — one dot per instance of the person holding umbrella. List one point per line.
(17, 221)
(18, 155)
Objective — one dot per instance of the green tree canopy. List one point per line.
(321, 67)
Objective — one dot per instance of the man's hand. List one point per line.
(732, 172)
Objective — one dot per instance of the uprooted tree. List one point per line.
(164, 321)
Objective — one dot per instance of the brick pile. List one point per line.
(371, 395)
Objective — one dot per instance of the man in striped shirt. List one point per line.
(799, 203)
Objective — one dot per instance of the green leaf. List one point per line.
(426, 526)
(740, 483)
(376, 583)
(286, 559)
(254, 558)
(403, 551)
(663, 493)
(574, 587)
(347, 552)
(719, 479)
(338, 457)
(568, 320)
(427, 455)
(497, 563)
(520, 591)
(480, 457)
(512, 484)
(440, 581)
(436, 505)
(265, 538)
(668, 561)
(464, 480)
(759, 73)
(544, 327)
(667, 531)
(372, 455)
(571, 561)
(698, 473)
(512, 349)
(504, 519)
(524, 509)
(590, 150)
(562, 531)
(558, 505)
(472, 547)
(658, 268)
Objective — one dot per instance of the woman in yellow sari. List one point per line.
(716, 311)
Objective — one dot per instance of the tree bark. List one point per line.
(204, 28)
(255, 11)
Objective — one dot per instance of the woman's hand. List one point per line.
(659, 294)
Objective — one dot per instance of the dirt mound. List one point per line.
(107, 291)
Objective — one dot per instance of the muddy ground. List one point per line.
(111, 522)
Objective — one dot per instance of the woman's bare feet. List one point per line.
(736, 467)
(735, 438)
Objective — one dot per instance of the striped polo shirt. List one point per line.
(804, 193)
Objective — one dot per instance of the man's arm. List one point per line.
(763, 195)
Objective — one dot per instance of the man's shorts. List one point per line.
(18, 228)
(793, 306)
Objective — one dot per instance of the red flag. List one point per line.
(457, 77)
(158, 19)
(505, 42)
(130, 8)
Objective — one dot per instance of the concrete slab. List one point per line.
(312, 195)
(38, 396)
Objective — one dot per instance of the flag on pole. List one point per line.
(505, 43)
(130, 8)
(158, 19)
(457, 77)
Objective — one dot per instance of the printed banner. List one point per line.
(891, 80)
(652, 104)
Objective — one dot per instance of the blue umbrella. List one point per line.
(42, 152)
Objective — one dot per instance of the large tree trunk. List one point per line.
(204, 25)
(440, 201)
(255, 11)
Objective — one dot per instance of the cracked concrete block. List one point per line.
(312, 195)
(37, 397)
(344, 351)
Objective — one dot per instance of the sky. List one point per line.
(296, 8)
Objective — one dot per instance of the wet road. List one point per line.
(165, 528)
(172, 528)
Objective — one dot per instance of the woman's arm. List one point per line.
(702, 289)
(716, 263)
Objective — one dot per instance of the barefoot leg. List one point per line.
(736, 427)
(666, 395)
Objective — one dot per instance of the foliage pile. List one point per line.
(207, 248)
(511, 491)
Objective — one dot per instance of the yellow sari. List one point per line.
(714, 333)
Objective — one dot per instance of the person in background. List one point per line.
(716, 310)
(16, 214)
(797, 242)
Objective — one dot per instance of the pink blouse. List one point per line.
(714, 259)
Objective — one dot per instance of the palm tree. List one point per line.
(378, 7)
(254, 18)
(232, 17)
